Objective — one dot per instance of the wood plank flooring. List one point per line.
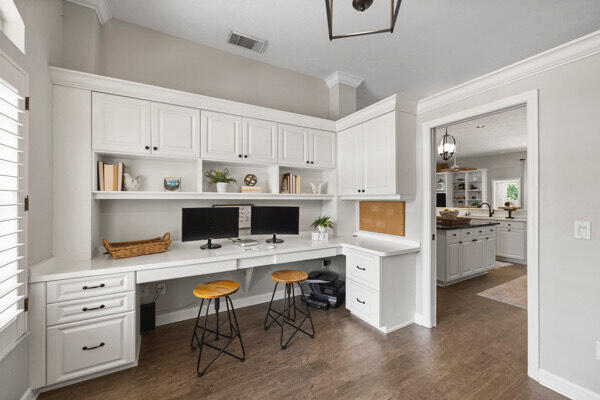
(477, 351)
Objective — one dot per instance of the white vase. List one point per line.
(222, 187)
(320, 235)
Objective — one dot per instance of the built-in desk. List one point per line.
(84, 313)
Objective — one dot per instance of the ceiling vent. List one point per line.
(248, 42)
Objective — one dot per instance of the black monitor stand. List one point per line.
(274, 239)
(210, 245)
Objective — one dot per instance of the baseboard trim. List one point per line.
(192, 312)
(565, 387)
(29, 395)
(421, 320)
(396, 327)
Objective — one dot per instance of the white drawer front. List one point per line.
(363, 302)
(513, 224)
(363, 268)
(468, 233)
(453, 236)
(78, 310)
(83, 288)
(85, 348)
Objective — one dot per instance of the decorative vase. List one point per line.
(320, 234)
(221, 187)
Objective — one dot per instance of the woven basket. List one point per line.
(138, 248)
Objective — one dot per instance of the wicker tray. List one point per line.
(453, 221)
(138, 248)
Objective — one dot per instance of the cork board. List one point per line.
(382, 217)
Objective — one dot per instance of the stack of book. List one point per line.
(110, 177)
(251, 189)
(290, 184)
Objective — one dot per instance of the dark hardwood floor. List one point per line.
(477, 351)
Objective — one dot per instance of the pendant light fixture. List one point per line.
(361, 6)
(447, 146)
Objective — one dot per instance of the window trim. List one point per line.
(509, 180)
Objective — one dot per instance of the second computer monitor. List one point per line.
(275, 220)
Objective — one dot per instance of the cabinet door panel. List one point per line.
(348, 165)
(453, 260)
(379, 166)
(512, 243)
(293, 145)
(120, 124)
(470, 256)
(490, 252)
(322, 149)
(175, 130)
(260, 140)
(221, 136)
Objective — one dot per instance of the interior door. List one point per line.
(293, 146)
(322, 149)
(120, 124)
(348, 165)
(260, 140)
(378, 144)
(221, 136)
(175, 130)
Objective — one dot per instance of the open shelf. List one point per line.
(205, 196)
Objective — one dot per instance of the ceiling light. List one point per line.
(480, 126)
(447, 146)
(361, 6)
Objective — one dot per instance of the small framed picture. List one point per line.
(245, 213)
(172, 184)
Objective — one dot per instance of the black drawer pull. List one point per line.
(474, 240)
(360, 301)
(93, 287)
(362, 269)
(93, 308)
(85, 348)
(468, 233)
(460, 242)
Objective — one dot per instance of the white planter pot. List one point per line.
(320, 235)
(221, 187)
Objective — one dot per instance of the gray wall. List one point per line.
(569, 276)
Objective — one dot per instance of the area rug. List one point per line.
(512, 292)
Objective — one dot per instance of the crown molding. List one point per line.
(389, 104)
(343, 78)
(100, 6)
(577, 49)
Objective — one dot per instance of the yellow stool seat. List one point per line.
(216, 289)
(289, 276)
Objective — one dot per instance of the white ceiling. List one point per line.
(437, 43)
(504, 132)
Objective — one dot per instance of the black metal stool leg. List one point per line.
(286, 298)
(202, 342)
(217, 303)
(237, 328)
(312, 327)
(270, 308)
(194, 336)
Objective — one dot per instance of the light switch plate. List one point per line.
(583, 230)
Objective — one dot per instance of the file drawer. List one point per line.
(362, 301)
(84, 348)
(82, 309)
(363, 268)
(83, 288)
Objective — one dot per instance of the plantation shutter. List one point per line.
(12, 271)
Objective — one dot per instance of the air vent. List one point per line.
(247, 42)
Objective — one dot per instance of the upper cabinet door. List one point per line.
(293, 146)
(349, 167)
(322, 149)
(260, 141)
(120, 124)
(379, 149)
(221, 136)
(175, 130)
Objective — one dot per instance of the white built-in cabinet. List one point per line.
(126, 125)
(376, 156)
(259, 141)
(306, 148)
(221, 136)
(512, 241)
(462, 253)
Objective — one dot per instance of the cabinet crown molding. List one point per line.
(392, 103)
(343, 78)
(100, 6)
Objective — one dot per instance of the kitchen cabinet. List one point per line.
(260, 141)
(512, 241)
(321, 149)
(175, 130)
(349, 161)
(463, 253)
(306, 148)
(221, 136)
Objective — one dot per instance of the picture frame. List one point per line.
(245, 213)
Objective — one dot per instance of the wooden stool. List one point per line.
(289, 278)
(214, 291)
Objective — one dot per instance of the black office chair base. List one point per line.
(288, 315)
(234, 332)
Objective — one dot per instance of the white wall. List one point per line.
(569, 275)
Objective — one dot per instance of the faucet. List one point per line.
(490, 207)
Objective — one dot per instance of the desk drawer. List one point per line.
(363, 302)
(78, 310)
(85, 348)
(83, 288)
(363, 268)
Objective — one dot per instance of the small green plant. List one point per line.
(324, 222)
(219, 176)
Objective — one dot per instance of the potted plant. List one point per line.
(221, 178)
(320, 226)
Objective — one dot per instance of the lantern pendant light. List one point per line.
(361, 6)
(447, 146)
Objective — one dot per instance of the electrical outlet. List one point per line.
(144, 292)
(583, 230)
(161, 288)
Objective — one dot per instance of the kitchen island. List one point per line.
(465, 251)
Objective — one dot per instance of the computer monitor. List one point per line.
(209, 223)
(274, 220)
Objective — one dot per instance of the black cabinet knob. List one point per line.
(239, 155)
(363, 190)
(245, 155)
(358, 190)
(147, 147)
(308, 162)
(155, 148)
(312, 162)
